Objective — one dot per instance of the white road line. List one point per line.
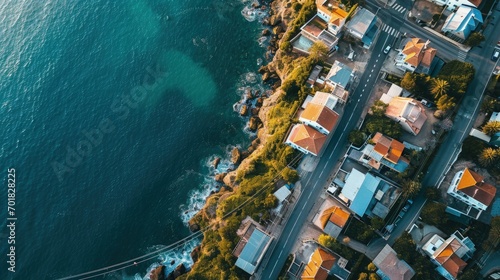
(369, 76)
(392, 32)
(372, 71)
(397, 34)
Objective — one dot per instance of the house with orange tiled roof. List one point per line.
(319, 265)
(320, 117)
(449, 255)
(408, 112)
(469, 187)
(381, 151)
(332, 220)
(390, 267)
(333, 12)
(306, 139)
(416, 56)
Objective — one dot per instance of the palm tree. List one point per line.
(491, 127)
(488, 157)
(439, 87)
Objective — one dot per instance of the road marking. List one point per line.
(392, 32)
(363, 90)
(378, 55)
(375, 61)
(369, 76)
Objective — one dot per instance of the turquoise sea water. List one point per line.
(111, 112)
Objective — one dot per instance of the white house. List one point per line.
(449, 255)
(408, 112)
(416, 56)
(306, 139)
(453, 4)
(333, 13)
(470, 188)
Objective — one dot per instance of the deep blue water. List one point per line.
(110, 113)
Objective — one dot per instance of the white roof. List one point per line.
(495, 117)
(308, 99)
(395, 90)
(386, 98)
(282, 193)
(324, 99)
(480, 135)
(353, 184)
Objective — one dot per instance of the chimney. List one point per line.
(426, 43)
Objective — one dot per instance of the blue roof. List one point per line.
(253, 251)
(468, 19)
(341, 74)
(365, 194)
(495, 139)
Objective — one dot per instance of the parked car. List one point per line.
(496, 54)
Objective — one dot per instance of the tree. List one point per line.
(377, 223)
(357, 138)
(445, 103)
(488, 156)
(378, 109)
(363, 276)
(489, 104)
(469, 274)
(409, 82)
(318, 51)
(405, 246)
(290, 175)
(494, 233)
(432, 193)
(327, 241)
(439, 87)
(491, 127)
(411, 188)
(475, 38)
(434, 214)
(371, 267)
(373, 276)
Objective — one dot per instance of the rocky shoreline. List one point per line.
(254, 105)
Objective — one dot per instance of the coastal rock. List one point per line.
(253, 123)
(193, 227)
(235, 156)
(255, 5)
(243, 110)
(255, 143)
(178, 271)
(216, 162)
(274, 20)
(266, 76)
(277, 30)
(265, 21)
(266, 32)
(255, 111)
(230, 179)
(280, 35)
(195, 254)
(260, 100)
(220, 177)
(263, 69)
(158, 273)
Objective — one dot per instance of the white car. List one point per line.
(387, 49)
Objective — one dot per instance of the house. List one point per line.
(251, 248)
(408, 112)
(495, 117)
(333, 13)
(460, 24)
(362, 27)
(339, 75)
(319, 117)
(319, 265)
(325, 99)
(394, 91)
(384, 151)
(449, 255)
(333, 220)
(311, 80)
(359, 190)
(316, 31)
(453, 4)
(469, 187)
(306, 139)
(416, 56)
(390, 267)
(282, 193)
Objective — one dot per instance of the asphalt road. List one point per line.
(467, 112)
(313, 184)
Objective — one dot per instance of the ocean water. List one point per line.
(111, 113)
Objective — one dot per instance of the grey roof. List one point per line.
(361, 21)
(340, 74)
(251, 255)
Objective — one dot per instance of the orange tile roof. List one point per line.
(321, 115)
(417, 52)
(336, 14)
(472, 185)
(476, 2)
(307, 138)
(450, 261)
(319, 265)
(335, 215)
(389, 148)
